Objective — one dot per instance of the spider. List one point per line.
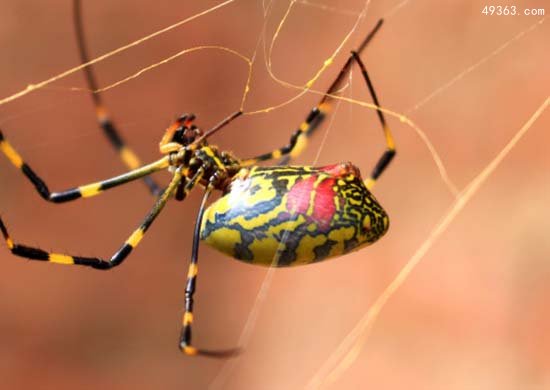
(274, 216)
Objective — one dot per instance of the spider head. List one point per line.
(186, 132)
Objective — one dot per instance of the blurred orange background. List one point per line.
(474, 313)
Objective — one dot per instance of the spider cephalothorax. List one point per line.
(187, 148)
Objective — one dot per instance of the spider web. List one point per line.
(279, 20)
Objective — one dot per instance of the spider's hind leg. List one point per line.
(389, 153)
(299, 139)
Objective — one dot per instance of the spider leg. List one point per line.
(299, 139)
(94, 262)
(127, 155)
(84, 191)
(185, 337)
(389, 154)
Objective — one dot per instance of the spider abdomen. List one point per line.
(283, 216)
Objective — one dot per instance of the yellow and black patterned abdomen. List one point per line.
(283, 216)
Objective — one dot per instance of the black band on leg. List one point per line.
(109, 129)
(94, 262)
(382, 164)
(186, 331)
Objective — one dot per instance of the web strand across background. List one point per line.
(466, 83)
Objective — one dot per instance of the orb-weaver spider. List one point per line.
(328, 210)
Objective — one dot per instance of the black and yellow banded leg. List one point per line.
(299, 139)
(84, 191)
(389, 154)
(187, 321)
(127, 155)
(33, 253)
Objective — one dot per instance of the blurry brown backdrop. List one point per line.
(474, 314)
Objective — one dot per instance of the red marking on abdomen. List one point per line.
(299, 198)
(323, 206)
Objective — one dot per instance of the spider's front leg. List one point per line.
(34, 253)
(126, 154)
(84, 191)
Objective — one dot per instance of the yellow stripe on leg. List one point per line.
(129, 158)
(90, 190)
(301, 144)
(276, 154)
(389, 138)
(193, 270)
(101, 114)
(188, 350)
(325, 108)
(135, 238)
(60, 259)
(169, 147)
(10, 243)
(187, 318)
(369, 183)
(11, 154)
